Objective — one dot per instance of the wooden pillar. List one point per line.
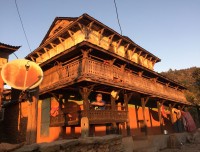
(136, 112)
(84, 60)
(31, 132)
(127, 98)
(113, 109)
(159, 105)
(85, 127)
(171, 113)
(85, 92)
(143, 103)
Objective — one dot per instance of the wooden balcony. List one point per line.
(96, 71)
(94, 116)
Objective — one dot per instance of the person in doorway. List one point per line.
(99, 104)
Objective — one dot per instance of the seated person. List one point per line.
(99, 104)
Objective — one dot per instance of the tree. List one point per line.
(196, 76)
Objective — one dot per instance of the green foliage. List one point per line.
(189, 78)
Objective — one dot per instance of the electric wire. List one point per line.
(15, 55)
(22, 25)
(118, 17)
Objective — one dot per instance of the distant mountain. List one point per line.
(190, 78)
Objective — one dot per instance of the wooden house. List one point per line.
(81, 57)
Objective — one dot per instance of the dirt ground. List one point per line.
(188, 147)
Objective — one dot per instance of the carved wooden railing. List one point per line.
(94, 116)
(61, 74)
(104, 116)
(59, 120)
(126, 78)
(96, 70)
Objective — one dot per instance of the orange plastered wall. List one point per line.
(53, 131)
(151, 117)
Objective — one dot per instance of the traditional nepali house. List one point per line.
(81, 57)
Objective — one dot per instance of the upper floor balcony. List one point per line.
(88, 69)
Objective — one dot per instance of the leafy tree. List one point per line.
(190, 78)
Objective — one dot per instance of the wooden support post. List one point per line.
(127, 98)
(171, 113)
(113, 109)
(31, 131)
(84, 61)
(136, 111)
(159, 105)
(143, 103)
(85, 92)
(181, 107)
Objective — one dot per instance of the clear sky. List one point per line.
(170, 29)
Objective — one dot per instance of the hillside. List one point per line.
(189, 78)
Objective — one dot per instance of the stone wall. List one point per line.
(110, 143)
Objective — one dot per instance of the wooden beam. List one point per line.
(143, 103)
(126, 49)
(181, 107)
(134, 49)
(81, 27)
(53, 46)
(85, 92)
(150, 58)
(139, 53)
(90, 24)
(32, 58)
(171, 113)
(100, 36)
(146, 100)
(61, 40)
(118, 44)
(154, 79)
(71, 35)
(154, 61)
(47, 51)
(140, 73)
(127, 98)
(160, 115)
(167, 84)
(145, 56)
(110, 39)
(113, 99)
(177, 87)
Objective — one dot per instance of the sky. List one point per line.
(170, 29)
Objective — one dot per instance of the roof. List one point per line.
(53, 24)
(77, 19)
(91, 19)
(8, 49)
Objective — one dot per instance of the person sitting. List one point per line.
(99, 104)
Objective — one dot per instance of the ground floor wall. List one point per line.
(136, 120)
(13, 127)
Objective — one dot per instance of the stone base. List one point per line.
(110, 143)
